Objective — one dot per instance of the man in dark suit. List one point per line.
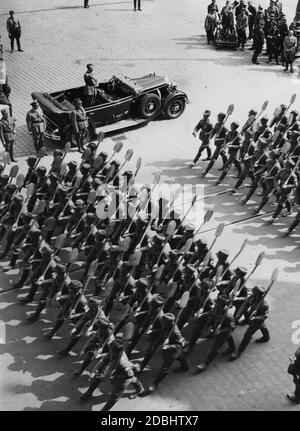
(14, 31)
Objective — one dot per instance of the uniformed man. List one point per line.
(14, 31)
(91, 84)
(36, 125)
(205, 127)
(80, 124)
(257, 312)
(233, 142)
(219, 131)
(7, 131)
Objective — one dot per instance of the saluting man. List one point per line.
(79, 123)
(36, 125)
(7, 131)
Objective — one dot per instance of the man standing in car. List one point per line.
(79, 123)
(91, 83)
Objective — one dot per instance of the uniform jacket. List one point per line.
(7, 128)
(79, 120)
(35, 121)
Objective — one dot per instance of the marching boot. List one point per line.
(262, 204)
(87, 360)
(35, 316)
(22, 280)
(292, 226)
(55, 328)
(13, 259)
(89, 393)
(139, 390)
(29, 297)
(65, 351)
(208, 168)
(11, 153)
(184, 365)
(2, 232)
(222, 176)
(160, 377)
(108, 405)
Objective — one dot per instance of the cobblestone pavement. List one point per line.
(166, 38)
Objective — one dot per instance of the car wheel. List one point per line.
(174, 108)
(149, 105)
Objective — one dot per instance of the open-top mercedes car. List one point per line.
(119, 99)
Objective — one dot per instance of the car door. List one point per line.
(102, 114)
(122, 108)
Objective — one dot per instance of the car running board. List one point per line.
(121, 125)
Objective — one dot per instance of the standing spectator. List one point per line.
(5, 91)
(239, 8)
(258, 21)
(138, 4)
(273, 43)
(283, 31)
(210, 25)
(258, 43)
(241, 27)
(36, 125)
(251, 18)
(14, 31)
(224, 10)
(289, 50)
(7, 131)
(1, 50)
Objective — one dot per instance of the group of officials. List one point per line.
(268, 27)
(123, 269)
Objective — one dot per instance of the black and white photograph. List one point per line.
(149, 209)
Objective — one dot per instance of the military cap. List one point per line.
(89, 65)
(11, 188)
(222, 299)
(85, 167)
(57, 152)
(190, 268)
(281, 127)
(114, 248)
(142, 282)
(78, 101)
(168, 317)
(34, 232)
(117, 163)
(173, 254)
(18, 198)
(252, 112)
(133, 191)
(104, 155)
(290, 163)
(157, 300)
(206, 283)
(72, 164)
(34, 102)
(201, 242)
(221, 115)
(190, 227)
(41, 170)
(31, 160)
(241, 270)
(259, 289)
(90, 218)
(295, 112)
(207, 112)
(222, 254)
(27, 217)
(235, 125)
(76, 285)
(79, 203)
(283, 106)
(264, 119)
(116, 345)
(128, 173)
(92, 146)
(46, 249)
(4, 179)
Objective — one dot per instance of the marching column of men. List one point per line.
(144, 273)
(264, 150)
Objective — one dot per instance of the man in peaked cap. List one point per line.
(257, 310)
(205, 127)
(35, 121)
(80, 124)
(250, 120)
(233, 142)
